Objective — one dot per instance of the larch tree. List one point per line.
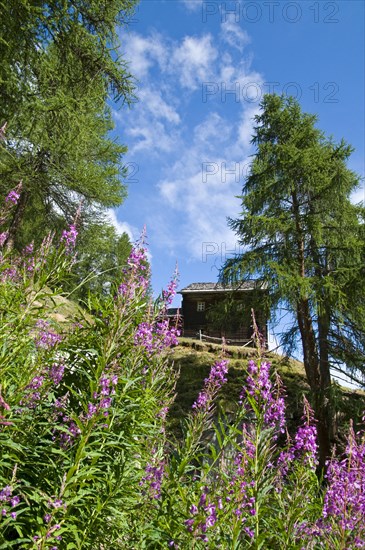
(99, 271)
(303, 237)
(59, 67)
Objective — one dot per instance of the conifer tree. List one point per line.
(102, 268)
(59, 67)
(302, 236)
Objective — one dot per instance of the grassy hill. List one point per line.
(193, 359)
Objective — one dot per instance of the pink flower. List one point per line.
(216, 379)
(69, 238)
(13, 197)
(2, 131)
(3, 237)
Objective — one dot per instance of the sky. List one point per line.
(202, 68)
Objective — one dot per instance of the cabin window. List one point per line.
(200, 306)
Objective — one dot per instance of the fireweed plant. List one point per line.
(82, 403)
(244, 483)
(86, 459)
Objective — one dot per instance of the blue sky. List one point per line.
(202, 67)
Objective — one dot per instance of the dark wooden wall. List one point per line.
(194, 320)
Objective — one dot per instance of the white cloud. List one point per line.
(122, 227)
(204, 207)
(202, 196)
(234, 35)
(153, 101)
(151, 137)
(188, 207)
(194, 60)
(170, 191)
(190, 63)
(143, 52)
(191, 60)
(227, 69)
(193, 5)
(245, 128)
(248, 84)
(214, 130)
(148, 123)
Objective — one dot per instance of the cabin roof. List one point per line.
(219, 287)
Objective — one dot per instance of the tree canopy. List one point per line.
(302, 235)
(59, 67)
(102, 268)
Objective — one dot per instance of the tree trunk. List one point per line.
(315, 360)
(317, 371)
(324, 367)
(323, 307)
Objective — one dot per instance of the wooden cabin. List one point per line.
(214, 310)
